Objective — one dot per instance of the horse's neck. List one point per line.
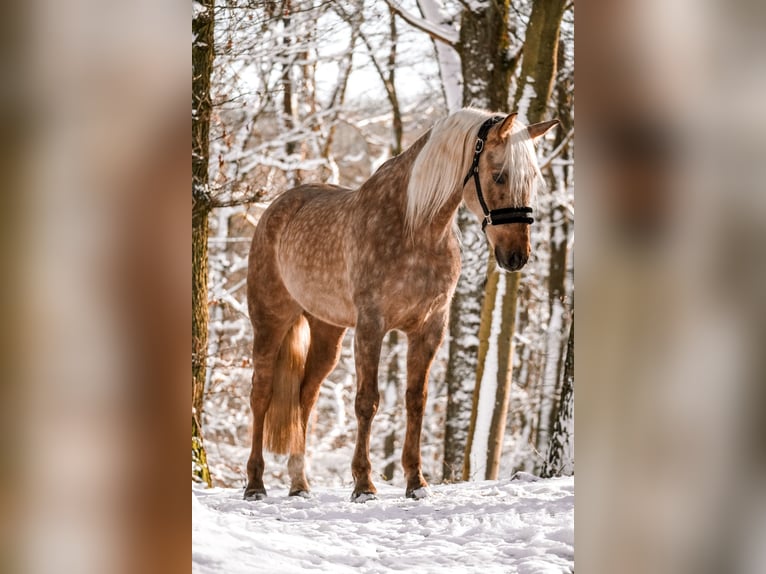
(385, 193)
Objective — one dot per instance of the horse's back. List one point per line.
(291, 201)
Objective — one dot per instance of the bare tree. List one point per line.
(202, 62)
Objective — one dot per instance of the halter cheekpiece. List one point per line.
(493, 216)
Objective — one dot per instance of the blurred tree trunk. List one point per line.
(493, 382)
(202, 62)
(486, 70)
(560, 458)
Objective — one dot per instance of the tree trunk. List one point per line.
(202, 62)
(557, 326)
(538, 70)
(539, 61)
(486, 76)
(492, 391)
(560, 458)
(483, 48)
(200, 470)
(390, 82)
(559, 232)
(288, 116)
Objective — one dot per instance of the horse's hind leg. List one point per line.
(324, 352)
(267, 341)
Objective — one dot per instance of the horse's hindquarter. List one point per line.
(312, 256)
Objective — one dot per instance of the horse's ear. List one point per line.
(505, 127)
(540, 129)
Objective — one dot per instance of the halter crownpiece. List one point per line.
(493, 216)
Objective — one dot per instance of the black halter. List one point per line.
(493, 216)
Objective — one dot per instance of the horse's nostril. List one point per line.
(511, 261)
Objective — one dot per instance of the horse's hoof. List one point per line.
(363, 496)
(255, 494)
(301, 493)
(419, 493)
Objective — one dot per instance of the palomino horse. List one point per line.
(325, 258)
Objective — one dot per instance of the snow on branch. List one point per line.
(449, 60)
(446, 35)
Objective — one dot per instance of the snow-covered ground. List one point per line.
(510, 526)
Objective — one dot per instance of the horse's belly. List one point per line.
(325, 297)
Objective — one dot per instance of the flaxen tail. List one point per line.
(283, 427)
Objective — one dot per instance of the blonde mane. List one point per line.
(442, 164)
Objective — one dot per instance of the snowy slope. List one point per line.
(524, 527)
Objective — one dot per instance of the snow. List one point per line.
(523, 106)
(197, 9)
(477, 5)
(507, 526)
(487, 389)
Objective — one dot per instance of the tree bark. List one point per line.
(483, 48)
(202, 62)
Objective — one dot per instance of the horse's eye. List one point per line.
(499, 178)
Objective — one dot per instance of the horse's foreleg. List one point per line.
(367, 345)
(422, 347)
(324, 352)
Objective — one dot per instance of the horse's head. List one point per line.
(501, 192)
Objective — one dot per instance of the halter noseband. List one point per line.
(493, 216)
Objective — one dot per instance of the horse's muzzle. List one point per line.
(511, 260)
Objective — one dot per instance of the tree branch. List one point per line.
(556, 152)
(440, 33)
